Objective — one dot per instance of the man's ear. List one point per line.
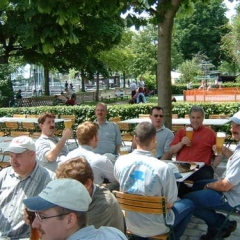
(88, 185)
(71, 221)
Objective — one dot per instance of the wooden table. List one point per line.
(20, 120)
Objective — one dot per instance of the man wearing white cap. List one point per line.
(25, 178)
(61, 213)
(212, 195)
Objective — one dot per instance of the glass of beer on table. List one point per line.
(219, 142)
(124, 150)
(68, 123)
(189, 133)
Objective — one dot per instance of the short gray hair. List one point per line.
(144, 133)
(197, 109)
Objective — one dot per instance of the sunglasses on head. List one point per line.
(158, 115)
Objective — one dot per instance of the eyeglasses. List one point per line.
(158, 115)
(40, 218)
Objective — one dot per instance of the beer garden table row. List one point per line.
(181, 121)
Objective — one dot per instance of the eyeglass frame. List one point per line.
(158, 115)
(41, 218)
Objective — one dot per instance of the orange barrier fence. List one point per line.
(212, 95)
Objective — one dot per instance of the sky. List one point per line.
(230, 6)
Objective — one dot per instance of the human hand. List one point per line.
(67, 133)
(185, 141)
(28, 216)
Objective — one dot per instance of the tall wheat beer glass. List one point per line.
(189, 133)
(220, 141)
(68, 124)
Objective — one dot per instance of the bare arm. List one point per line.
(54, 153)
(166, 156)
(177, 147)
(222, 185)
(118, 149)
(225, 151)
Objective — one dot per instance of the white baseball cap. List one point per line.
(21, 144)
(235, 118)
(64, 192)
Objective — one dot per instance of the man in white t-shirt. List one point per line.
(133, 88)
(87, 135)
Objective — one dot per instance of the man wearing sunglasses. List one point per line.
(61, 213)
(164, 135)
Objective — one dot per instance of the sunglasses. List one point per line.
(158, 115)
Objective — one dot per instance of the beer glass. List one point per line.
(34, 234)
(219, 142)
(123, 150)
(189, 133)
(68, 124)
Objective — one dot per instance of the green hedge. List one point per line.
(125, 111)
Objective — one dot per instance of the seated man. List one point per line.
(87, 135)
(164, 135)
(104, 209)
(109, 134)
(140, 173)
(51, 150)
(141, 96)
(61, 213)
(222, 194)
(200, 148)
(25, 178)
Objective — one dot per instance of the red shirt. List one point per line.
(201, 148)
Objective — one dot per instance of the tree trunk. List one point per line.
(46, 79)
(97, 89)
(83, 80)
(124, 79)
(164, 62)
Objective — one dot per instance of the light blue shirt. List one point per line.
(109, 137)
(232, 174)
(164, 138)
(102, 166)
(43, 145)
(140, 173)
(102, 233)
(12, 191)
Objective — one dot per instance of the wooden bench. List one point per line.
(108, 97)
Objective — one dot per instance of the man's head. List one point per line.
(145, 135)
(22, 155)
(101, 111)
(60, 209)
(196, 116)
(46, 122)
(235, 123)
(156, 116)
(87, 134)
(79, 169)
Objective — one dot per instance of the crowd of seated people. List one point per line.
(139, 172)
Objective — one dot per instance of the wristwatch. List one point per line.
(207, 186)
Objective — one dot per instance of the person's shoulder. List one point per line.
(106, 232)
(45, 172)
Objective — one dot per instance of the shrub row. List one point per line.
(125, 111)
